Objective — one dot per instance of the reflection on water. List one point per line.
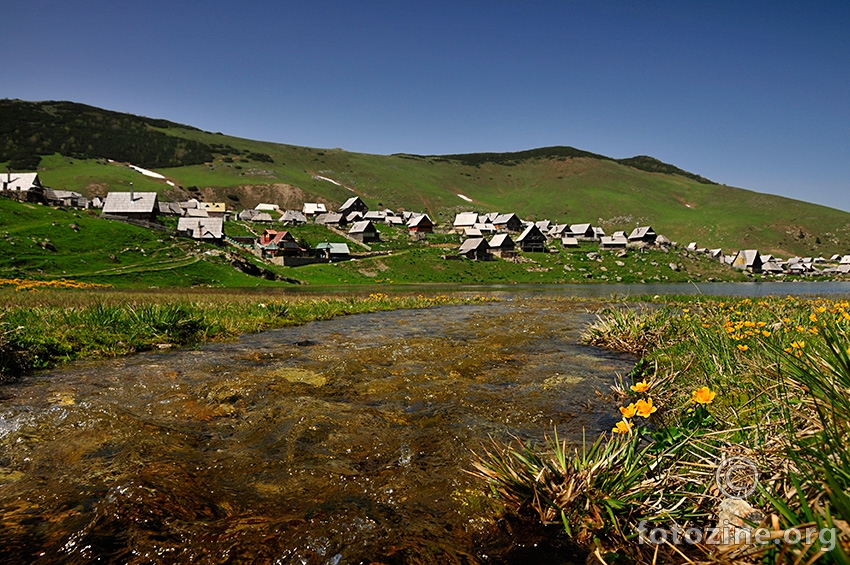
(336, 442)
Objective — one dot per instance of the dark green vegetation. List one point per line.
(39, 329)
(718, 379)
(559, 183)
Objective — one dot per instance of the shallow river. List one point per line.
(337, 442)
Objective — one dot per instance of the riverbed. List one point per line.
(343, 441)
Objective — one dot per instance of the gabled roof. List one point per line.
(641, 232)
(749, 257)
(197, 213)
(472, 232)
(530, 232)
(502, 241)
(543, 225)
(474, 244)
(394, 220)
(354, 217)
(581, 229)
(351, 202)
(202, 228)
(362, 226)
(20, 181)
(465, 219)
(417, 220)
(130, 203)
(375, 215)
(334, 248)
(845, 260)
(329, 218)
(293, 216)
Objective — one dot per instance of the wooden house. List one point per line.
(214, 209)
(502, 245)
(67, 198)
(273, 243)
(465, 220)
(25, 187)
(613, 242)
(643, 234)
(293, 218)
(364, 231)
(582, 232)
(532, 240)
(507, 222)
(332, 219)
(476, 249)
(313, 209)
(569, 242)
(420, 224)
(353, 204)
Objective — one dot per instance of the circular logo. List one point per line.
(737, 477)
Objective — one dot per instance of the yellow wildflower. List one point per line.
(703, 395)
(628, 411)
(743, 347)
(622, 427)
(640, 387)
(645, 408)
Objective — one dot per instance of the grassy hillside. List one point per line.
(37, 242)
(562, 184)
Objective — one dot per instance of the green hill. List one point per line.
(73, 143)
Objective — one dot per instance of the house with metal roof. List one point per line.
(464, 220)
(214, 209)
(642, 234)
(67, 198)
(502, 245)
(582, 232)
(420, 224)
(476, 249)
(364, 231)
(202, 229)
(132, 205)
(353, 204)
(747, 259)
(613, 242)
(532, 240)
(507, 222)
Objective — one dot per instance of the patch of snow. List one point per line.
(462, 197)
(146, 172)
(319, 177)
(687, 205)
(169, 183)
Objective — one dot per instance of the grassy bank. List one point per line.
(730, 431)
(48, 323)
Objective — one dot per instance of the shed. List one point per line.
(502, 245)
(465, 220)
(23, 186)
(643, 233)
(333, 251)
(332, 219)
(476, 249)
(613, 242)
(569, 242)
(532, 240)
(583, 232)
(65, 198)
(364, 231)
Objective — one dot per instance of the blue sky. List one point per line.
(750, 94)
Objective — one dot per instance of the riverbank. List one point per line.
(731, 442)
(44, 325)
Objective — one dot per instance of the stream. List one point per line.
(337, 442)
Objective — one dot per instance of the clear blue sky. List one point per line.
(750, 94)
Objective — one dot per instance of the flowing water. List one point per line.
(337, 442)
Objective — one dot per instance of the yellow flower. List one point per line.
(622, 427)
(703, 395)
(640, 387)
(813, 317)
(765, 333)
(628, 411)
(645, 408)
(743, 347)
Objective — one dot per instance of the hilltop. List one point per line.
(71, 145)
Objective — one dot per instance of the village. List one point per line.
(477, 236)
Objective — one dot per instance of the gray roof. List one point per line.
(350, 202)
(293, 216)
(641, 232)
(416, 220)
(201, 228)
(528, 231)
(122, 203)
(329, 218)
(465, 219)
(473, 244)
(502, 240)
(362, 226)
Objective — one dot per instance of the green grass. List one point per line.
(557, 187)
